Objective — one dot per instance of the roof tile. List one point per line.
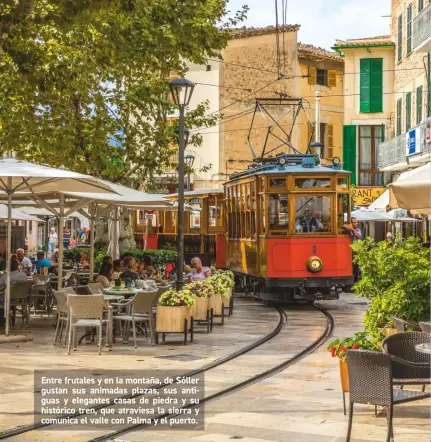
(368, 41)
(245, 32)
(315, 51)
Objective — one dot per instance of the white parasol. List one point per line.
(21, 177)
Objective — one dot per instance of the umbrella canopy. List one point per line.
(369, 215)
(412, 190)
(381, 202)
(21, 177)
(16, 214)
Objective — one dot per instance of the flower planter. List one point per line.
(344, 375)
(200, 310)
(174, 320)
(216, 303)
(387, 331)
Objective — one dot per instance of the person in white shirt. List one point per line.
(23, 260)
(52, 240)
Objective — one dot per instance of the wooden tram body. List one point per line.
(204, 231)
(264, 208)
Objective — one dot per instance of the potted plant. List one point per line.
(173, 310)
(220, 297)
(202, 293)
(339, 347)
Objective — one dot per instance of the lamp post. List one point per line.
(181, 91)
(189, 159)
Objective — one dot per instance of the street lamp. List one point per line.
(189, 159)
(181, 91)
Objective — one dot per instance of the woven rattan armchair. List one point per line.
(141, 312)
(62, 316)
(371, 382)
(402, 345)
(402, 326)
(425, 327)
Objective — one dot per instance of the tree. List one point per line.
(84, 83)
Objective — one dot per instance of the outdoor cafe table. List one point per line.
(423, 348)
(112, 291)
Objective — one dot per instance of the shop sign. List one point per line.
(413, 141)
(428, 133)
(364, 196)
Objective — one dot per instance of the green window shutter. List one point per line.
(409, 27)
(376, 84)
(408, 111)
(419, 101)
(420, 5)
(383, 132)
(399, 115)
(349, 150)
(364, 92)
(400, 37)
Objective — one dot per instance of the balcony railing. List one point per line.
(393, 151)
(422, 26)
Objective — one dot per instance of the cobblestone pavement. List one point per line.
(302, 403)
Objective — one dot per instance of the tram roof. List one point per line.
(197, 192)
(274, 168)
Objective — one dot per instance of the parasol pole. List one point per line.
(9, 251)
(92, 239)
(60, 243)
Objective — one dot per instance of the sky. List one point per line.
(323, 21)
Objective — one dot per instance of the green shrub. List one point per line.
(158, 257)
(396, 278)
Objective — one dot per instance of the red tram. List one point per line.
(285, 228)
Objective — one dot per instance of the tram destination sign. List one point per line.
(365, 196)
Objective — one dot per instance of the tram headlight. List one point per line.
(336, 161)
(282, 161)
(314, 264)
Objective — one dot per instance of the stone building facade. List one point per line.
(249, 70)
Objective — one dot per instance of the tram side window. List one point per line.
(307, 183)
(253, 210)
(312, 214)
(195, 216)
(343, 212)
(278, 206)
(262, 214)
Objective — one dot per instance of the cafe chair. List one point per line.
(62, 316)
(403, 326)
(140, 311)
(402, 345)
(425, 327)
(20, 297)
(95, 288)
(86, 311)
(371, 382)
(42, 292)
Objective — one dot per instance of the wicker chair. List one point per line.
(20, 296)
(402, 345)
(425, 327)
(141, 308)
(403, 326)
(42, 290)
(95, 288)
(63, 316)
(370, 382)
(86, 311)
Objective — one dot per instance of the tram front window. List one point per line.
(313, 214)
(278, 212)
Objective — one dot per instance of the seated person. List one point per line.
(83, 262)
(129, 273)
(54, 258)
(188, 273)
(308, 223)
(15, 275)
(42, 261)
(105, 274)
(117, 269)
(150, 272)
(199, 273)
(107, 259)
(23, 260)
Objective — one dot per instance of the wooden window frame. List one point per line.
(399, 116)
(374, 169)
(409, 28)
(325, 77)
(408, 111)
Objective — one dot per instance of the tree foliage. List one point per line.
(84, 83)
(396, 277)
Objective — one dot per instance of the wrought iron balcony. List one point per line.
(422, 29)
(392, 154)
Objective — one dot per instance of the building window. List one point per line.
(371, 85)
(419, 101)
(420, 5)
(322, 77)
(408, 111)
(208, 67)
(326, 132)
(400, 37)
(399, 115)
(370, 138)
(409, 28)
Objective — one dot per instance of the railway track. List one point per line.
(238, 386)
(7, 434)
(218, 362)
